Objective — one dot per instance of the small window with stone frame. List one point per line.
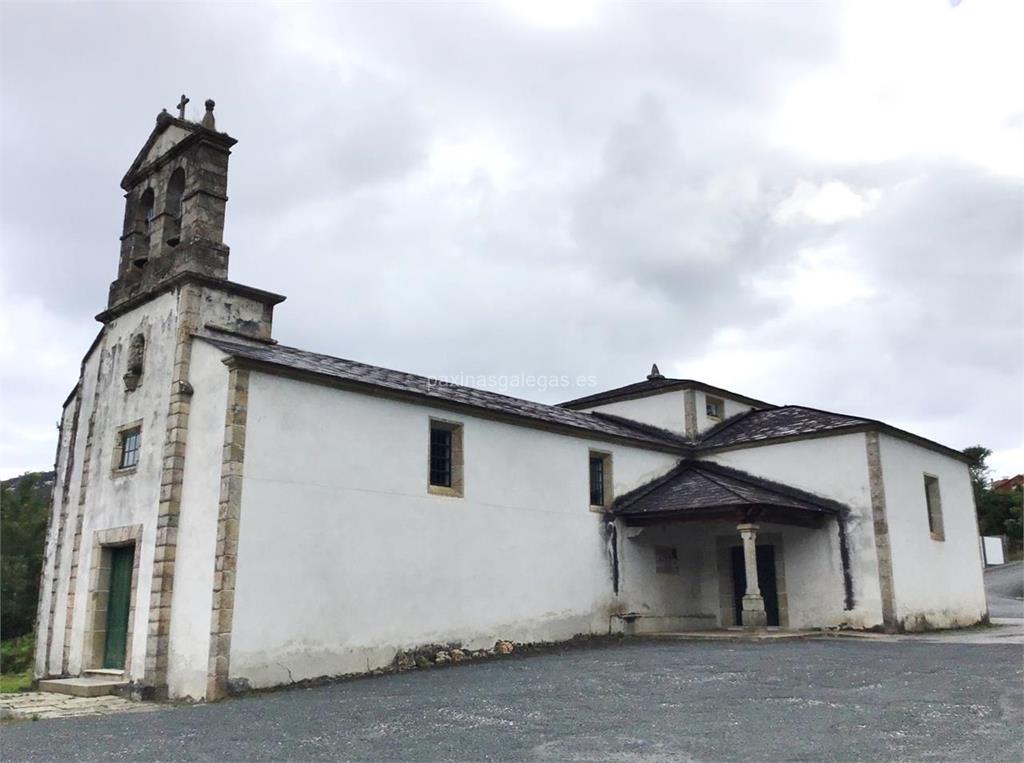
(714, 407)
(600, 480)
(933, 501)
(128, 445)
(445, 473)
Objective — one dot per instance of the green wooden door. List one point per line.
(121, 562)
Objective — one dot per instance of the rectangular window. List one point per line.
(440, 457)
(445, 468)
(600, 479)
(714, 407)
(934, 502)
(126, 448)
(130, 449)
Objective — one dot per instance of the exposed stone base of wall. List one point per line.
(431, 656)
(941, 620)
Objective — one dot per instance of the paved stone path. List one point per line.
(820, 699)
(36, 705)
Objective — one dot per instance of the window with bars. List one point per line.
(445, 467)
(131, 440)
(600, 479)
(440, 457)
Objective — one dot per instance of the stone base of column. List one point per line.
(753, 613)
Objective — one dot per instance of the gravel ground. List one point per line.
(825, 699)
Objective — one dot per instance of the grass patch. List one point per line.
(16, 657)
(15, 682)
(17, 654)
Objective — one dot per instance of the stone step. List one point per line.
(86, 686)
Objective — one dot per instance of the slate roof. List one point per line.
(362, 374)
(784, 421)
(753, 426)
(698, 486)
(653, 386)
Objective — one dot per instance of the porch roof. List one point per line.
(700, 490)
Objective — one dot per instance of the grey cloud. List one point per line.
(636, 223)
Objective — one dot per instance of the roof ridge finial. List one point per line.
(208, 122)
(655, 373)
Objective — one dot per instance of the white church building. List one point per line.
(231, 512)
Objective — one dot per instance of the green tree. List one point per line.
(981, 476)
(998, 513)
(23, 510)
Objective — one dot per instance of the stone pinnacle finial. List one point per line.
(655, 373)
(208, 121)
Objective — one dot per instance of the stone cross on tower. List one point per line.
(181, 106)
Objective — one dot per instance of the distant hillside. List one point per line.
(24, 506)
(42, 484)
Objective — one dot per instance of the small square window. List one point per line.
(933, 500)
(666, 560)
(445, 459)
(600, 479)
(714, 407)
(131, 440)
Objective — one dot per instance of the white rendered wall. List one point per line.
(937, 584)
(836, 468)
(56, 633)
(197, 525)
(55, 532)
(118, 500)
(345, 557)
(165, 141)
(665, 410)
(687, 599)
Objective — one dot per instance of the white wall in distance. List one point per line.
(665, 410)
(937, 584)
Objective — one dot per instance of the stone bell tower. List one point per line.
(175, 195)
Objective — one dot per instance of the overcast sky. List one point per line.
(802, 202)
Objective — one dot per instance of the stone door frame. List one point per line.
(99, 593)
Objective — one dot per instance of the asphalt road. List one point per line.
(821, 699)
(1004, 587)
